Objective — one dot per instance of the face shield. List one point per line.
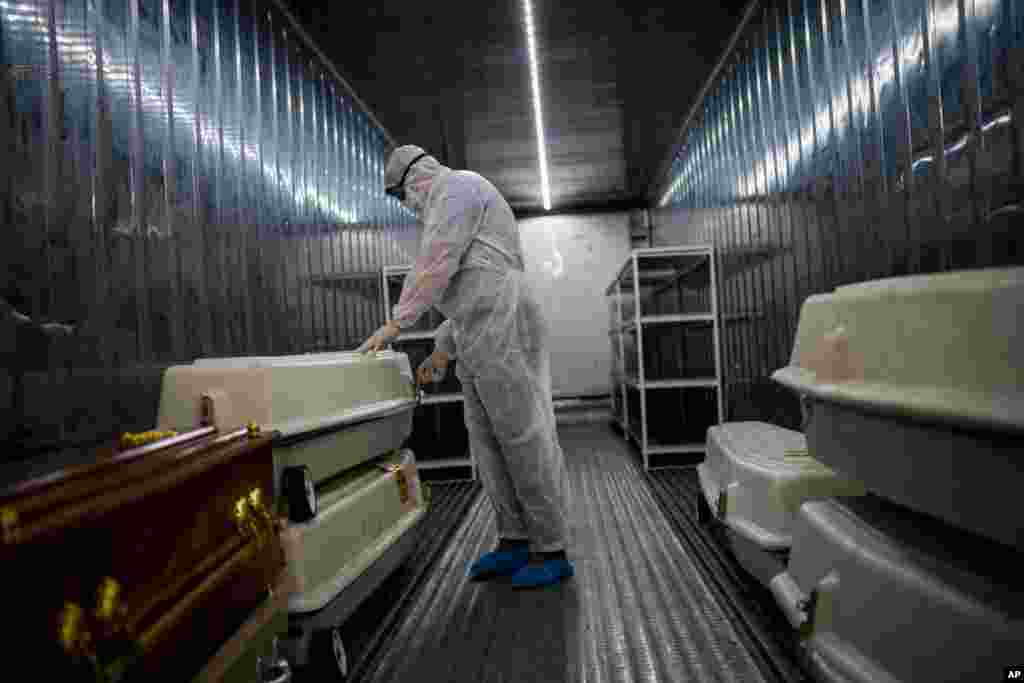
(398, 191)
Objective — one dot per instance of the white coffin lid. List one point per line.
(765, 486)
(761, 445)
(290, 394)
(946, 347)
(333, 357)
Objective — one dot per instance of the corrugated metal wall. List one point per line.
(847, 140)
(179, 178)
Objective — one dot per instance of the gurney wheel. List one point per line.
(704, 514)
(297, 483)
(329, 649)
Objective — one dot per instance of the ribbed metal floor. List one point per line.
(369, 632)
(638, 609)
(750, 606)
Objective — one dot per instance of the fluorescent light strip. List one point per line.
(538, 116)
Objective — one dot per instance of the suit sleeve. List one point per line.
(443, 340)
(445, 241)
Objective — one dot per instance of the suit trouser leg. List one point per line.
(516, 397)
(490, 462)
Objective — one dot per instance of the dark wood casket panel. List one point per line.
(163, 526)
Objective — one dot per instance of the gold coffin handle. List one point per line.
(9, 520)
(72, 631)
(246, 522)
(108, 601)
(260, 511)
(253, 519)
(134, 440)
(256, 527)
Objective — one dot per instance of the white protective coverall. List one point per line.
(470, 267)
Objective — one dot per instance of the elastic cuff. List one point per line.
(445, 345)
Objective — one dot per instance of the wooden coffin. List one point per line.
(140, 565)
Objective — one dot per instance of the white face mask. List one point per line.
(416, 199)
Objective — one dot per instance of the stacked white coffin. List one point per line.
(755, 476)
(354, 498)
(915, 387)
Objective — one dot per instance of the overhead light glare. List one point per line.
(537, 112)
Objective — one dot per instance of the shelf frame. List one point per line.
(428, 401)
(651, 384)
(416, 336)
(443, 463)
(681, 276)
(667, 449)
(441, 399)
(680, 318)
(627, 282)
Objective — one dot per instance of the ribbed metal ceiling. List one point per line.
(617, 80)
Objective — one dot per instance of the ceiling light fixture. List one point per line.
(538, 116)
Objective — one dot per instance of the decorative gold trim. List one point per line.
(11, 526)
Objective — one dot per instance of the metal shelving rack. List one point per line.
(679, 269)
(429, 402)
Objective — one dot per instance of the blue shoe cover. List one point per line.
(499, 563)
(547, 574)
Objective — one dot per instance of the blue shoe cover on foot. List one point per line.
(499, 563)
(537, 576)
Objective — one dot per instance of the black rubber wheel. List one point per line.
(704, 514)
(329, 655)
(297, 484)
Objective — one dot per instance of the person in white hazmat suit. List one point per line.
(470, 267)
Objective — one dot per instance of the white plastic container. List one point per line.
(367, 527)
(881, 593)
(756, 475)
(361, 515)
(915, 387)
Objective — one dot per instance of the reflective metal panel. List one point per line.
(847, 140)
(181, 178)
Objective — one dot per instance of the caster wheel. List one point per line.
(297, 484)
(704, 515)
(329, 651)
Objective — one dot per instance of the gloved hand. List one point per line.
(381, 338)
(433, 368)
